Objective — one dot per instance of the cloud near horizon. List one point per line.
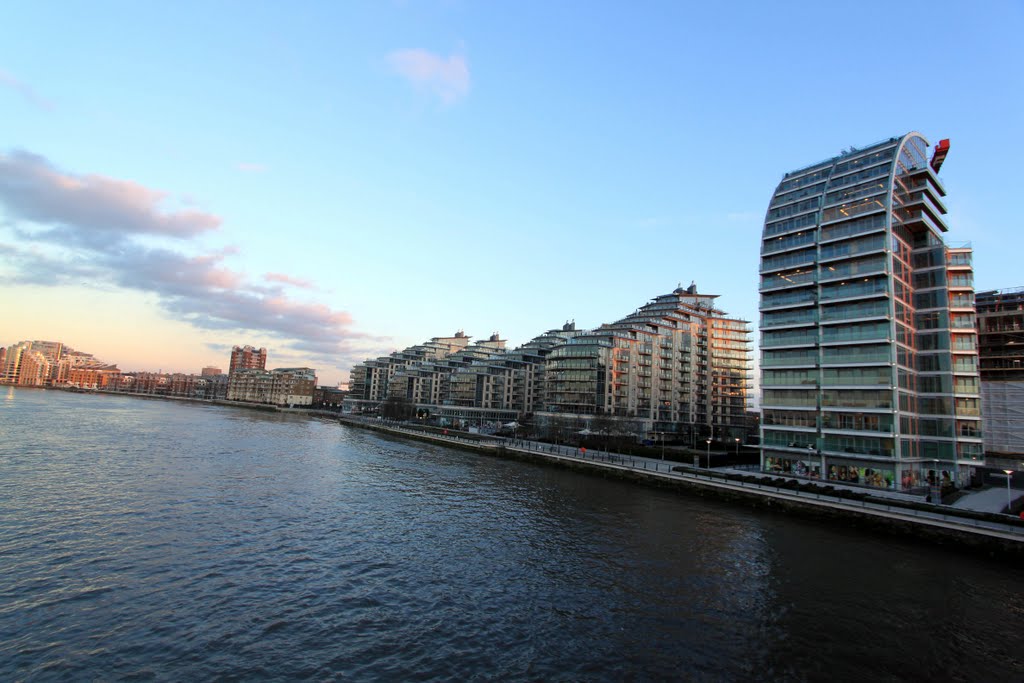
(88, 226)
(445, 78)
(25, 90)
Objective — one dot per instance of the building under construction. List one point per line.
(1001, 351)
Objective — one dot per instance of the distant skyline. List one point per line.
(338, 181)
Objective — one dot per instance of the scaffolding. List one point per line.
(1003, 417)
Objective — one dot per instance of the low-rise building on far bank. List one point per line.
(291, 387)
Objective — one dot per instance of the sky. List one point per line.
(335, 181)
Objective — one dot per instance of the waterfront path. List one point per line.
(664, 471)
(989, 500)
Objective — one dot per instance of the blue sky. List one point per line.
(339, 180)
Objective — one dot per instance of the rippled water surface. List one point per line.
(155, 540)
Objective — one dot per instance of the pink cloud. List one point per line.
(95, 220)
(25, 90)
(34, 190)
(446, 78)
(289, 280)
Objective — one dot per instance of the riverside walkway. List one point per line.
(668, 471)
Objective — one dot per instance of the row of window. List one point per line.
(861, 225)
(830, 398)
(788, 260)
(789, 337)
(853, 247)
(877, 376)
(857, 177)
(941, 405)
(864, 161)
(788, 279)
(862, 287)
(792, 209)
(850, 269)
(789, 357)
(854, 209)
(798, 296)
(857, 309)
(788, 242)
(802, 316)
(790, 224)
(802, 181)
(856, 192)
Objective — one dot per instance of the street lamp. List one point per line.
(1009, 501)
(737, 440)
(708, 442)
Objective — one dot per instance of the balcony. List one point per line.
(917, 220)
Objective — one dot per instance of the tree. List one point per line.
(397, 408)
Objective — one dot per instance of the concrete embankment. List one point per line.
(962, 533)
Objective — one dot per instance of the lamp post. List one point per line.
(737, 440)
(708, 442)
(663, 445)
(1009, 501)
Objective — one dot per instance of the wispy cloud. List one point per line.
(289, 280)
(25, 90)
(444, 77)
(33, 190)
(247, 167)
(84, 231)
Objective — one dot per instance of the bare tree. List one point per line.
(397, 408)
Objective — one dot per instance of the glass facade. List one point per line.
(867, 375)
(677, 365)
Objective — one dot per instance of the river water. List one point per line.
(145, 539)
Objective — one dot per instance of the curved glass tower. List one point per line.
(869, 366)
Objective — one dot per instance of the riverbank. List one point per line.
(910, 518)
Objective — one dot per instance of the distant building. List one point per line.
(329, 398)
(210, 371)
(869, 357)
(217, 387)
(427, 382)
(247, 358)
(279, 387)
(42, 363)
(30, 363)
(676, 368)
(52, 350)
(34, 370)
(504, 387)
(94, 378)
(71, 360)
(12, 362)
(368, 381)
(1001, 356)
